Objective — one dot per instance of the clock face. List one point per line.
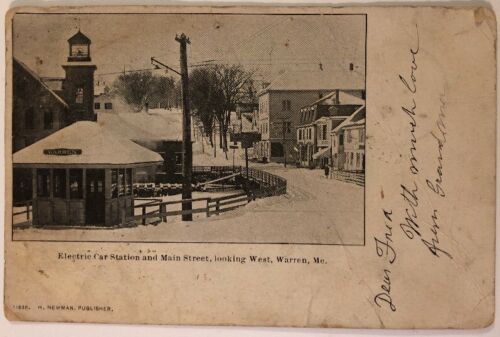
(79, 50)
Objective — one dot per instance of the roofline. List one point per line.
(39, 79)
(351, 125)
(85, 165)
(265, 91)
(347, 121)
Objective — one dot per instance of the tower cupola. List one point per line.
(79, 48)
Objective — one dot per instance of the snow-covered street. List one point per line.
(315, 210)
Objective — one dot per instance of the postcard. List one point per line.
(251, 165)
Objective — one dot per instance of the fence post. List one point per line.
(217, 206)
(144, 215)
(208, 207)
(163, 210)
(27, 210)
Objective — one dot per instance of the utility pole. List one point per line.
(284, 139)
(187, 158)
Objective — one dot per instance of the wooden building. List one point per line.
(317, 120)
(348, 143)
(82, 175)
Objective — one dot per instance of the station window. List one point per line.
(59, 183)
(108, 106)
(121, 182)
(75, 183)
(128, 181)
(43, 182)
(114, 183)
(97, 106)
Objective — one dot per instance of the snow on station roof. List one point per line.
(85, 144)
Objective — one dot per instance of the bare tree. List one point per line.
(231, 81)
(138, 88)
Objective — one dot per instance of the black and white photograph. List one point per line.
(284, 166)
(196, 128)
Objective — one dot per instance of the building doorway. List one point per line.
(94, 203)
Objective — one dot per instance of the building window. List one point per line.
(75, 183)
(362, 136)
(47, 119)
(114, 183)
(97, 106)
(59, 183)
(29, 118)
(79, 95)
(323, 136)
(43, 182)
(341, 139)
(108, 106)
(357, 159)
(286, 105)
(349, 136)
(288, 127)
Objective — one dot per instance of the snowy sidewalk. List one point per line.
(315, 210)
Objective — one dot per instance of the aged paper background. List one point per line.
(341, 294)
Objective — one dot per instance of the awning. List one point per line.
(322, 153)
(85, 144)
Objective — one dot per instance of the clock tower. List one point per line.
(78, 85)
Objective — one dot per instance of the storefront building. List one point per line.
(83, 176)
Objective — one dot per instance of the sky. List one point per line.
(267, 44)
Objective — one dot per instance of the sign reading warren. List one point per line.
(62, 152)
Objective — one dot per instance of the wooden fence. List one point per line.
(27, 209)
(349, 177)
(265, 185)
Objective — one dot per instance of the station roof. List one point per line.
(85, 144)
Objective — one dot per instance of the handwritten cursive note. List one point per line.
(420, 222)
